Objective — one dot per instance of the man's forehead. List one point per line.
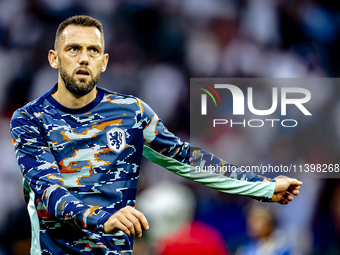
(79, 34)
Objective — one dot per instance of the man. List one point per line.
(80, 147)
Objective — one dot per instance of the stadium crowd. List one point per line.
(155, 47)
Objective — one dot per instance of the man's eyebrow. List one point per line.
(70, 45)
(97, 46)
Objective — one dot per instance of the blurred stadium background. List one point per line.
(155, 46)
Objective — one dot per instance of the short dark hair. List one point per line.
(78, 20)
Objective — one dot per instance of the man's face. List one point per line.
(80, 55)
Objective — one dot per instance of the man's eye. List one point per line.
(94, 50)
(74, 49)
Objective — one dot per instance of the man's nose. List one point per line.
(84, 58)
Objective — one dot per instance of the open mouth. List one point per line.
(83, 73)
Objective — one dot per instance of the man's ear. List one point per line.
(104, 63)
(53, 59)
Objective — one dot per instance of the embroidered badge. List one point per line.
(116, 139)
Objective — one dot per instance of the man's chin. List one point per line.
(84, 85)
(80, 89)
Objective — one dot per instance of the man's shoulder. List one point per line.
(118, 97)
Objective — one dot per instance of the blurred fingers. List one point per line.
(128, 224)
(119, 225)
(294, 181)
(141, 218)
(136, 224)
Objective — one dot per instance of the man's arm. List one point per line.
(165, 149)
(42, 174)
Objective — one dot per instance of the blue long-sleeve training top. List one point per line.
(80, 166)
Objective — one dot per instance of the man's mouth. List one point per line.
(82, 73)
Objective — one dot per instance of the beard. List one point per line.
(80, 88)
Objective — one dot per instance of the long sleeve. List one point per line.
(183, 159)
(41, 172)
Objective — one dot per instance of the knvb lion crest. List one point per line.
(116, 139)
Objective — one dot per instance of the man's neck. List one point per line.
(69, 100)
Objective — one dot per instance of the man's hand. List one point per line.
(127, 219)
(284, 187)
